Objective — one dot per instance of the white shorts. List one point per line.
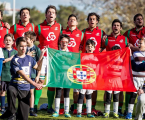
(75, 90)
(83, 91)
(138, 82)
(115, 92)
(44, 65)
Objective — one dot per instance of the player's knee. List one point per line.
(88, 96)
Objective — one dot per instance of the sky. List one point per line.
(42, 4)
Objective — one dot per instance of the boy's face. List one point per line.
(29, 41)
(51, 15)
(116, 28)
(92, 21)
(139, 21)
(8, 41)
(141, 45)
(64, 43)
(25, 16)
(21, 48)
(72, 21)
(90, 48)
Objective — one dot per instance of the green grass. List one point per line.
(42, 115)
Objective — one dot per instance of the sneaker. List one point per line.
(2, 111)
(75, 111)
(115, 115)
(35, 110)
(67, 115)
(89, 115)
(79, 115)
(12, 117)
(125, 112)
(61, 111)
(106, 115)
(120, 113)
(84, 112)
(32, 113)
(50, 111)
(55, 114)
(128, 116)
(5, 115)
(97, 112)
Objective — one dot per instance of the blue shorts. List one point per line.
(32, 86)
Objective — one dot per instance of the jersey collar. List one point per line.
(20, 22)
(2, 24)
(45, 22)
(113, 35)
(68, 29)
(94, 28)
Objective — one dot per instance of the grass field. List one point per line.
(42, 115)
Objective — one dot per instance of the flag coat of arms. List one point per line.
(104, 71)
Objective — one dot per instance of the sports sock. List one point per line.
(37, 95)
(84, 105)
(115, 107)
(88, 105)
(50, 96)
(57, 104)
(120, 104)
(66, 104)
(75, 105)
(93, 105)
(107, 108)
(127, 97)
(79, 108)
(61, 104)
(130, 108)
(2, 102)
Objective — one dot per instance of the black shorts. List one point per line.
(32, 86)
(4, 85)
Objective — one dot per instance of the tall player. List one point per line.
(48, 34)
(3, 30)
(76, 37)
(23, 25)
(94, 33)
(134, 35)
(115, 39)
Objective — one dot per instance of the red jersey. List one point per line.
(48, 35)
(96, 35)
(111, 41)
(3, 32)
(134, 36)
(19, 29)
(75, 39)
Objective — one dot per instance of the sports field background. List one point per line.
(43, 115)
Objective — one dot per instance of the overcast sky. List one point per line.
(42, 4)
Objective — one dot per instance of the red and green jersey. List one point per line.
(75, 39)
(133, 35)
(48, 35)
(111, 41)
(96, 34)
(19, 29)
(3, 32)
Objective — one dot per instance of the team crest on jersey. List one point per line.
(121, 41)
(136, 43)
(81, 74)
(30, 29)
(77, 35)
(94, 39)
(1, 28)
(56, 28)
(51, 36)
(97, 34)
(72, 42)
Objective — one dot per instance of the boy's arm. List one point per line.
(37, 77)
(25, 77)
(8, 59)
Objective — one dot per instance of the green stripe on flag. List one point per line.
(60, 69)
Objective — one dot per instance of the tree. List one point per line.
(120, 9)
(65, 11)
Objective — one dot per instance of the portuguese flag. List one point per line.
(104, 71)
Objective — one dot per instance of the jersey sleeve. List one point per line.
(12, 29)
(15, 66)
